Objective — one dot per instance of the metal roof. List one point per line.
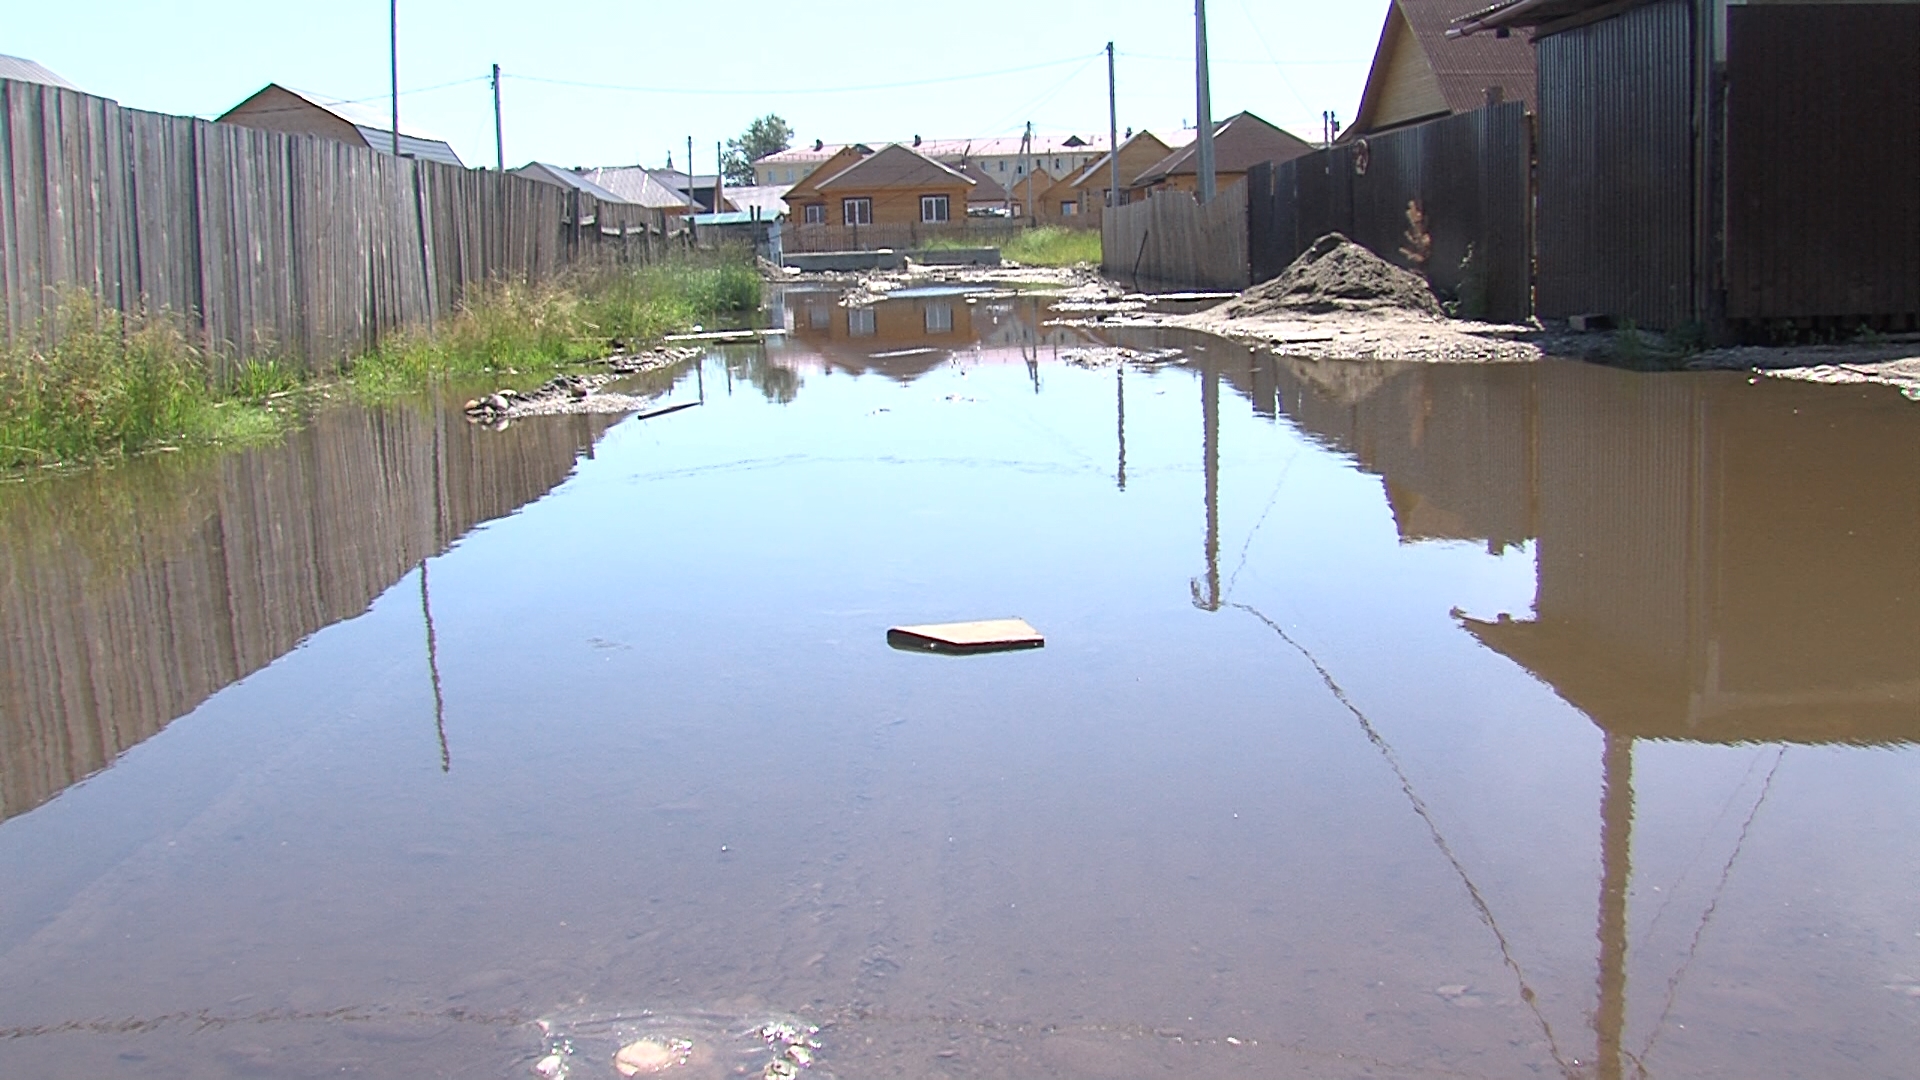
(554, 174)
(895, 167)
(1546, 16)
(636, 184)
(1240, 142)
(1463, 69)
(20, 69)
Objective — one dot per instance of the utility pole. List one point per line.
(719, 178)
(393, 66)
(1113, 150)
(1205, 96)
(1026, 152)
(499, 142)
(693, 207)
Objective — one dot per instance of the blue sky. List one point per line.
(705, 70)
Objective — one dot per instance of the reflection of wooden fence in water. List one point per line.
(269, 244)
(128, 598)
(1170, 239)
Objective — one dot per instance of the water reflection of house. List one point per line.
(131, 596)
(1454, 454)
(1723, 563)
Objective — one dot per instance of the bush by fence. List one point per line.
(277, 245)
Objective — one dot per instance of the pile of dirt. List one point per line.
(1336, 274)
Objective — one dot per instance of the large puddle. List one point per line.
(1533, 720)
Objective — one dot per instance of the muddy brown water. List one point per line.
(1531, 720)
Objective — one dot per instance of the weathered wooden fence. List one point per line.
(1170, 239)
(128, 598)
(1468, 174)
(979, 232)
(268, 244)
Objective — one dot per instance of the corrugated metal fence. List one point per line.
(1616, 168)
(1172, 240)
(269, 244)
(1823, 163)
(1468, 174)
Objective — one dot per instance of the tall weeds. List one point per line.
(90, 382)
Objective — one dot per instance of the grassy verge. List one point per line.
(93, 383)
(526, 333)
(1046, 245)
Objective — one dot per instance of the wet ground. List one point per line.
(1393, 721)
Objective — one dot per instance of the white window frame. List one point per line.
(816, 214)
(935, 210)
(857, 211)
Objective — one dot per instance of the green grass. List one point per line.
(90, 383)
(525, 333)
(1050, 245)
(1046, 245)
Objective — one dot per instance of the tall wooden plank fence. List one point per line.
(289, 246)
(1170, 239)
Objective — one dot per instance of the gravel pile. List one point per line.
(1336, 274)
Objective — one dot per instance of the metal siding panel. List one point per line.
(1823, 162)
(1615, 223)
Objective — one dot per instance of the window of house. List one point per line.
(856, 211)
(1069, 209)
(1003, 165)
(789, 176)
(939, 318)
(816, 214)
(1056, 164)
(933, 208)
(860, 322)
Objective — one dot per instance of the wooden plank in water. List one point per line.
(987, 635)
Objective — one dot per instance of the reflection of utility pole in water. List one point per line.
(426, 598)
(1120, 410)
(433, 669)
(1207, 596)
(1616, 869)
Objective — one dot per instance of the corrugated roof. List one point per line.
(802, 155)
(985, 188)
(1240, 142)
(768, 199)
(894, 167)
(373, 127)
(1464, 68)
(1009, 146)
(20, 69)
(636, 184)
(554, 174)
(1537, 13)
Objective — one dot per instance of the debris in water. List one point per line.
(645, 1057)
(987, 635)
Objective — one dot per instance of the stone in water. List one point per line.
(648, 1057)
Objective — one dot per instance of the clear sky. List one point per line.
(836, 70)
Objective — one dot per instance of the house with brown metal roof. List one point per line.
(987, 196)
(1420, 73)
(1139, 152)
(896, 187)
(1240, 142)
(806, 204)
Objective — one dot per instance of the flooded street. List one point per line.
(1409, 721)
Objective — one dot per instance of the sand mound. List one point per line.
(1336, 274)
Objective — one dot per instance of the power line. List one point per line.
(788, 91)
(1270, 62)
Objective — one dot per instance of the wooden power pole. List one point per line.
(1204, 94)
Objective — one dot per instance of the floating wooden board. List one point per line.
(989, 635)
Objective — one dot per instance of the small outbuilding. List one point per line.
(295, 112)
